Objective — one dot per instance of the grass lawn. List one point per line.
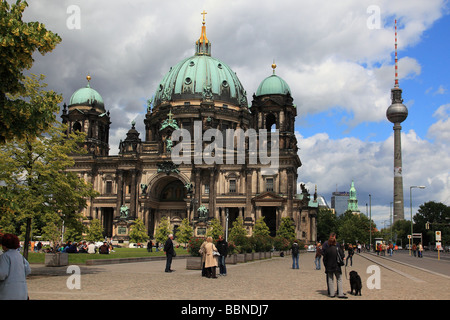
(80, 258)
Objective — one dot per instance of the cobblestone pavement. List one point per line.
(270, 279)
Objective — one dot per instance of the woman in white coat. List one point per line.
(14, 269)
(210, 258)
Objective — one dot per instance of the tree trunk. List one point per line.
(27, 238)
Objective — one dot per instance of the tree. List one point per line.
(20, 118)
(401, 229)
(261, 228)
(185, 232)
(286, 229)
(437, 215)
(215, 229)
(163, 230)
(52, 228)
(238, 230)
(238, 236)
(95, 231)
(138, 232)
(326, 223)
(353, 228)
(34, 174)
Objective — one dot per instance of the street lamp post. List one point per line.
(410, 206)
(391, 219)
(226, 225)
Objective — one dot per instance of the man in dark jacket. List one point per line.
(170, 252)
(104, 249)
(222, 247)
(332, 268)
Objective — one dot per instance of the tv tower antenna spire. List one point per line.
(396, 58)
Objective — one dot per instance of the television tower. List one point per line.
(397, 113)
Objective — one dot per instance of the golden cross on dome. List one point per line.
(204, 13)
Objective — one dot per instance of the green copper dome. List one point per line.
(87, 97)
(202, 77)
(199, 77)
(273, 85)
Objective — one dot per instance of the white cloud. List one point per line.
(440, 130)
(328, 163)
(325, 51)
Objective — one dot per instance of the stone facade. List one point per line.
(143, 181)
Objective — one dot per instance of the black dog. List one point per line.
(355, 282)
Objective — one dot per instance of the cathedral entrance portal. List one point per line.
(166, 199)
(270, 218)
(108, 222)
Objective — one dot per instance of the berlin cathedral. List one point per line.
(144, 182)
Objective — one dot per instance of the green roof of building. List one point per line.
(273, 85)
(202, 77)
(87, 96)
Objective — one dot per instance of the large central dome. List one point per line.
(202, 77)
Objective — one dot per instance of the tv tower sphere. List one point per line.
(397, 111)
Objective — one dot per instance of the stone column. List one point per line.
(133, 194)
(119, 202)
(198, 189)
(212, 192)
(248, 192)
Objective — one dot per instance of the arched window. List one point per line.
(76, 127)
(271, 122)
(174, 191)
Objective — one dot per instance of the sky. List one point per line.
(336, 56)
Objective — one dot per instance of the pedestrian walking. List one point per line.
(222, 247)
(39, 246)
(350, 252)
(170, 253)
(318, 256)
(414, 249)
(332, 268)
(14, 269)
(149, 246)
(420, 253)
(295, 252)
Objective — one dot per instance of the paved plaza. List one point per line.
(269, 279)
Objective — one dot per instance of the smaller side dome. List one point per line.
(273, 85)
(87, 96)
